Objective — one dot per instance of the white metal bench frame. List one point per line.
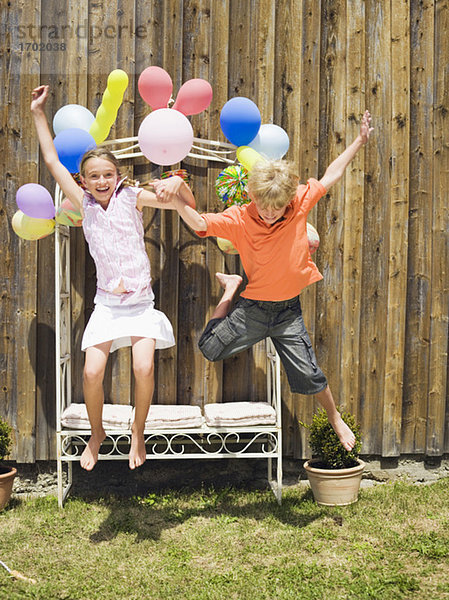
(258, 441)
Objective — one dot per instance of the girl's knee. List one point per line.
(92, 374)
(143, 370)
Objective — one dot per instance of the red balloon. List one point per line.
(155, 87)
(193, 97)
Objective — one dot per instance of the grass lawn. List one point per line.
(230, 544)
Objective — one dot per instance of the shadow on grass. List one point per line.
(149, 516)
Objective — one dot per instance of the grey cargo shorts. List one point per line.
(253, 320)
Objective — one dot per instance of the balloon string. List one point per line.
(195, 139)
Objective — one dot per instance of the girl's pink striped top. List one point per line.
(116, 243)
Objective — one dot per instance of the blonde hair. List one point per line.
(273, 184)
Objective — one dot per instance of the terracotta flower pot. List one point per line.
(7, 476)
(334, 487)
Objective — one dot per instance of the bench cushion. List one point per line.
(115, 416)
(173, 416)
(239, 414)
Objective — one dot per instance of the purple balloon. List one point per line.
(35, 201)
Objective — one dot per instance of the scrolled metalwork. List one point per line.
(212, 443)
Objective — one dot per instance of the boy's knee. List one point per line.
(209, 343)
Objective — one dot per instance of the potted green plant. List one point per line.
(7, 474)
(334, 473)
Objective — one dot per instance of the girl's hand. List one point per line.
(168, 189)
(365, 129)
(39, 97)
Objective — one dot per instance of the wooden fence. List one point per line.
(379, 320)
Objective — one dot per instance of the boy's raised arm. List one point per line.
(335, 170)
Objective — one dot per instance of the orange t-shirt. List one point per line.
(276, 258)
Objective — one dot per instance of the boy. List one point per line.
(270, 236)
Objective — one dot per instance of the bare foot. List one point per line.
(137, 452)
(89, 456)
(345, 435)
(230, 283)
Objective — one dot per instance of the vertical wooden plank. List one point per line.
(171, 57)
(149, 51)
(193, 274)
(218, 77)
(440, 239)
(65, 72)
(263, 17)
(333, 140)
(398, 229)
(237, 384)
(375, 239)
(417, 353)
(18, 257)
(353, 211)
(112, 46)
(297, 111)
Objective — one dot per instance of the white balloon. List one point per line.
(271, 141)
(72, 116)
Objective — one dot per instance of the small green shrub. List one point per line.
(5, 439)
(327, 447)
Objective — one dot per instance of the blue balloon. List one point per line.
(240, 120)
(71, 145)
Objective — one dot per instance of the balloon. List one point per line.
(35, 201)
(194, 96)
(72, 116)
(165, 136)
(110, 103)
(240, 120)
(155, 87)
(313, 237)
(226, 246)
(70, 145)
(31, 229)
(271, 141)
(117, 82)
(62, 219)
(248, 157)
(67, 214)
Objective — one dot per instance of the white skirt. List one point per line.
(120, 323)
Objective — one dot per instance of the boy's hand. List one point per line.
(168, 189)
(39, 97)
(365, 129)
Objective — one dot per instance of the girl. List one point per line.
(124, 313)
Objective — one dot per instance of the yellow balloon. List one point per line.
(99, 132)
(226, 246)
(109, 102)
(117, 81)
(29, 228)
(248, 157)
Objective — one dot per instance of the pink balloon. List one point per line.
(194, 96)
(155, 87)
(165, 136)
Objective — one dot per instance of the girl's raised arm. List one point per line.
(65, 180)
